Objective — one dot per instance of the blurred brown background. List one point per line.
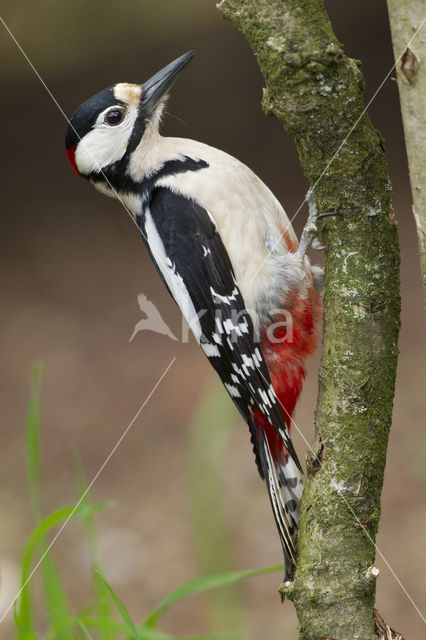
(72, 266)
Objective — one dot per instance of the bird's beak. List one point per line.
(154, 88)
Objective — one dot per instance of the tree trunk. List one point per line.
(317, 92)
(409, 46)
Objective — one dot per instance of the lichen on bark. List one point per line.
(317, 92)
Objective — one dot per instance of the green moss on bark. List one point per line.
(317, 92)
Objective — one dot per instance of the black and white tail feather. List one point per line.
(285, 487)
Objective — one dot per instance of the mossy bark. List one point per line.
(317, 92)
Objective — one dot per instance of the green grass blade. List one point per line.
(114, 627)
(22, 628)
(102, 600)
(103, 625)
(83, 628)
(122, 610)
(45, 525)
(145, 633)
(56, 600)
(32, 438)
(103, 606)
(219, 635)
(200, 585)
(23, 613)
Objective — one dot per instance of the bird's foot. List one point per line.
(310, 231)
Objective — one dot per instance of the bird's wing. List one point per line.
(185, 244)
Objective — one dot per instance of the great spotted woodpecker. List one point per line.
(229, 257)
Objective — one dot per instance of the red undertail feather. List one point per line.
(285, 350)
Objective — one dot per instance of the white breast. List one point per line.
(251, 222)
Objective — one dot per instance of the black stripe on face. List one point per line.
(85, 116)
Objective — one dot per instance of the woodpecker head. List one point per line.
(108, 127)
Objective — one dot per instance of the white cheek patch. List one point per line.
(105, 144)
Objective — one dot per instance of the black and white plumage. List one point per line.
(226, 251)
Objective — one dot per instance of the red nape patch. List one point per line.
(71, 159)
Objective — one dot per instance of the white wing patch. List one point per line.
(173, 279)
(224, 299)
(233, 390)
(210, 350)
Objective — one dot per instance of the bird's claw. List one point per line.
(310, 231)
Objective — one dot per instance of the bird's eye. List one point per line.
(114, 117)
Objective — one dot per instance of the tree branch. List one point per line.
(405, 19)
(317, 92)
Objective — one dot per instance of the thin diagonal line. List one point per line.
(352, 511)
(69, 123)
(107, 459)
(341, 145)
